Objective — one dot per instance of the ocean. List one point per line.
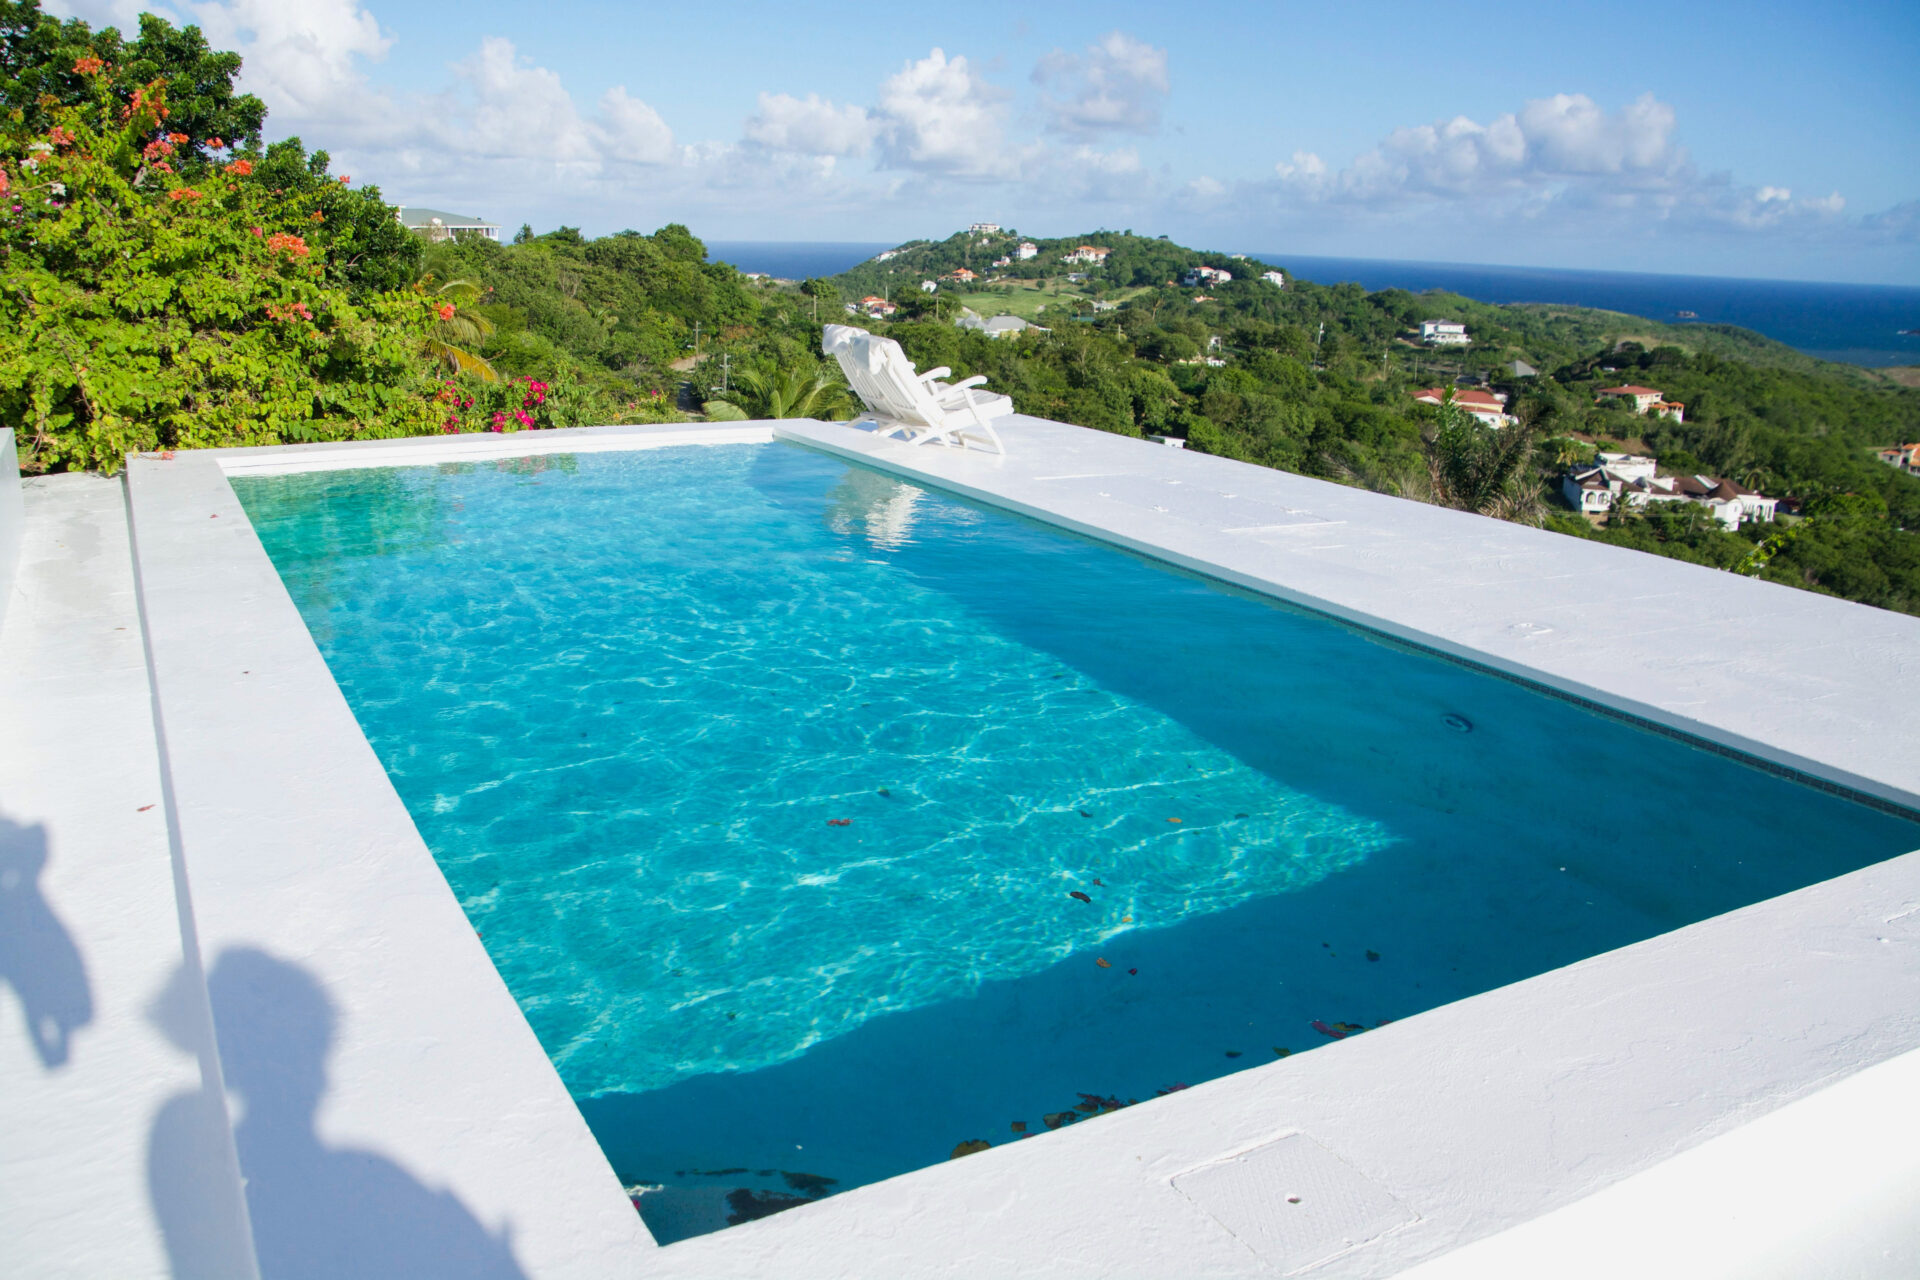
(1851, 323)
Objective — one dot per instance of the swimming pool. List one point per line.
(770, 781)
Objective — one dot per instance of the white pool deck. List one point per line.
(245, 1028)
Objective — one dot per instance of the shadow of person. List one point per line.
(320, 1211)
(38, 958)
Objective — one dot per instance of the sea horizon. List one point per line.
(1831, 320)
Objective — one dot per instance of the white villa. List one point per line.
(1026, 250)
(1085, 253)
(1904, 456)
(1488, 406)
(929, 286)
(1634, 480)
(878, 308)
(1444, 333)
(1202, 276)
(962, 275)
(888, 256)
(983, 229)
(997, 326)
(438, 224)
(1645, 400)
(1274, 278)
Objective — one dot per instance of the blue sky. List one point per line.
(1754, 139)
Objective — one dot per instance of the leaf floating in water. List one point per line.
(1239, 815)
(1054, 1119)
(1085, 814)
(887, 793)
(1126, 919)
(1133, 971)
(1102, 962)
(1100, 885)
(1278, 1052)
(1075, 893)
(1373, 955)
(839, 822)
(1326, 1030)
(1173, 819)
(1233, 1053)
(1019, 1126)
(1058, 675)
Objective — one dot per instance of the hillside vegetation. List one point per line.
(166, 280)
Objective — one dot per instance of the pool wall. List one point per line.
(1445, 1128)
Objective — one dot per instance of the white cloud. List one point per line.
(812, 125)
(303, 58)
(939, 116)
(1118, 85)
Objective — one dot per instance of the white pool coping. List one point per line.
(1473, 1118)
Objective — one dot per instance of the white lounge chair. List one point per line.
(917, 406)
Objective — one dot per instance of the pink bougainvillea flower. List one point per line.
(446, 311)
(59, 137)
(344, 179)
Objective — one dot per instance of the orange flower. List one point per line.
(446, 311)
(183, 193)
(59, 137)
(344, 179)
(88, 65)
(178, 139)
(216, 144)
(293, 246)
(241, 167)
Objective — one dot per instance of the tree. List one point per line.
(138, 311)
(1478, 468)
(457, 326)
(786, 393)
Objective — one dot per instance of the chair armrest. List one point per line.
(931, 374)
(977, 380)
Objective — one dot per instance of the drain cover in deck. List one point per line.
(1293, 1202)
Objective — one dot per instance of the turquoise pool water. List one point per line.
(820, 823)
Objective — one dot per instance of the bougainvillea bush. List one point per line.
(155, 293)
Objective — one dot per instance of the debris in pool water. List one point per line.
(1326, 1030)
(1173, 819)
(1075, 893)
(1019, 1126)
(887, 793)
(746, 1204)
(812, 1185)
(1092, 1102)
(1172, 1088)
(1373, 955)
(1327, 944)
(1233, 1053)
(1239, 815)
(732, 1016)
(839, 822)
(1135, 972)
(1096, 882)
(1058, 675)
(1102, 962)
(1054, 1119)
(1085, 814)
(1457, 722)
(970, 1146)
(1278, 1052)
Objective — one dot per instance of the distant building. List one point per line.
(888, 256)
(1906, 457)
(1086, 253)
(1521, 369)
(1076, 277)
(1026, 250)
(1203, 276)
(1642, 398)
(984, 229)
(437, 224)
(1488, 406)
(1274, 278)
(1444, 333)
(1003, 262)
(1632, 481)
(929, 286)
(878, 308)
(1102, 305)
(998, 326)
(962, 276)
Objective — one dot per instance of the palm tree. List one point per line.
(787, 393)
(458, 326)
(1479, 468)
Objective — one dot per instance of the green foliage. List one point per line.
(139, 312)
(792, 392)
